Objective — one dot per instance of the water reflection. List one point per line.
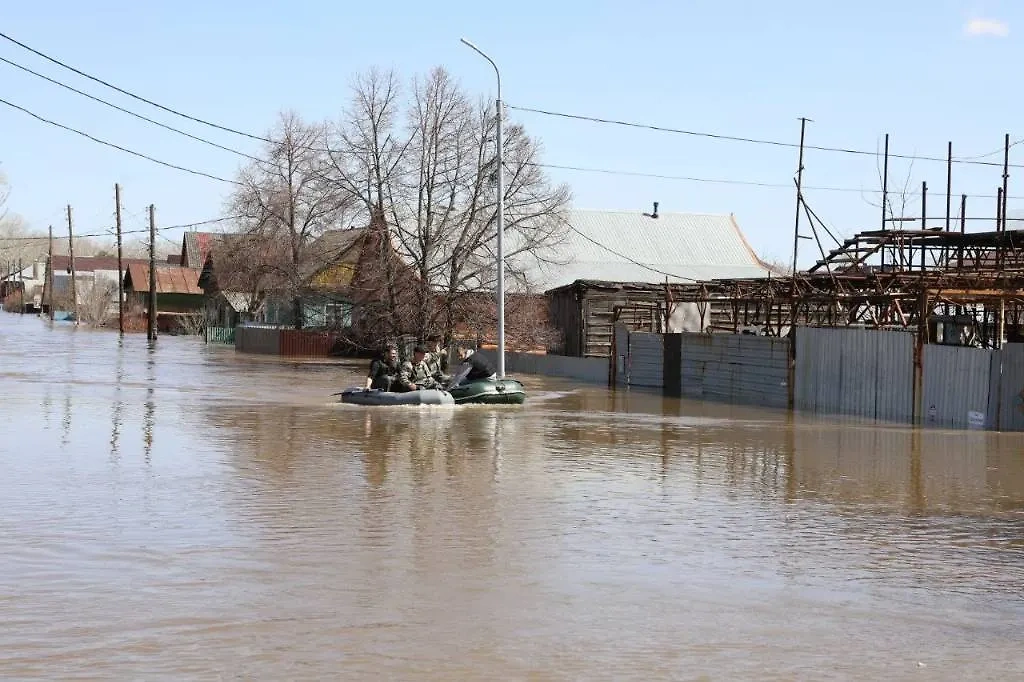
(149, 406)
(118, 403)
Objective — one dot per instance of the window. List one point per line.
(338, 315)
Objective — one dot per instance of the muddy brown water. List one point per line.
(191, 513)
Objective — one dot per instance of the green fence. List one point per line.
(220, 335)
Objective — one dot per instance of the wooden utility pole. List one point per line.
(120, 267)
(151, 317)
(71, 257)
(49, 273)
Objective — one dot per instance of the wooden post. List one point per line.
(71, 257)
(151, 321)
(48, 285)
(120, 267)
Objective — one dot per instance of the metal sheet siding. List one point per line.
(646, 360)
(956, 383)
(863, 373)
(302, 343)
(1011, 388)
(262, 340)
(735, 368)
(894, 379)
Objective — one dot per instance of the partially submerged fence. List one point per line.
(268, 340)
(870, 374)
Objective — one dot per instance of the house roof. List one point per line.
(90, 264)
(240, 302)
(195, 247)
(630, 246)
(330, 248)
(170, 279)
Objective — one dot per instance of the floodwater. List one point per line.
(190, 513)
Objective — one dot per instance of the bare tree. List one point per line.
(95, 303)
(424, 168)
(288, 199)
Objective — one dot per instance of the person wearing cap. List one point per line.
(474, 367)
(419, 372)
(385, 370)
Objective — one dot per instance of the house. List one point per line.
(29, 280)
(95, 280)
(326, 298)
(196, 248)
(614, 266)
(177, 289)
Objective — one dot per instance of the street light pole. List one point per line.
(501, 217)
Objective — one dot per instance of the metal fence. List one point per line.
(219, 335)
(728, 367)
(958, 386)
(857, 372)
(646, 360)
(259, 340)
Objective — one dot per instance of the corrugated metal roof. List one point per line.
(170, 279)
(629, 246)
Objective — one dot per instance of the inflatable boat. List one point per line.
(490, 392)
(373, 396)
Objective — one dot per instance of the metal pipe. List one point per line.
(501, 216)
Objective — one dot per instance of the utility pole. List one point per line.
(885, 191)
(1006, 177)
(49, 274)
(71, 257)
(120, 267)
(799, 198)
(151, 321)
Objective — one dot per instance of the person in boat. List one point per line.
(474, 367)
(437, 361)
(385, 371)
(421, 372)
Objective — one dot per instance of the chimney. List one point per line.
(655, 214)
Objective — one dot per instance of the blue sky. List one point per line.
(925, 72)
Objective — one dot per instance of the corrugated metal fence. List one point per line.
(728, 367)
(958, 386)
(1011, 388)
(858, 372)
(646, 360)
(260, 340)
(302, 343)
(285, 342)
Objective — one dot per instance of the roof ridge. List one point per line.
(660, 213)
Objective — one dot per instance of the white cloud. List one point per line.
(987, 27)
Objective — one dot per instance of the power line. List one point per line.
(726, 181)
(129, 112)
(118, 147)
(131, 94)
(625, 257)
(749, 140)
(109, 233)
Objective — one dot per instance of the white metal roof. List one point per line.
(629, 246)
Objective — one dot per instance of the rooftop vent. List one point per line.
(654, 214)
